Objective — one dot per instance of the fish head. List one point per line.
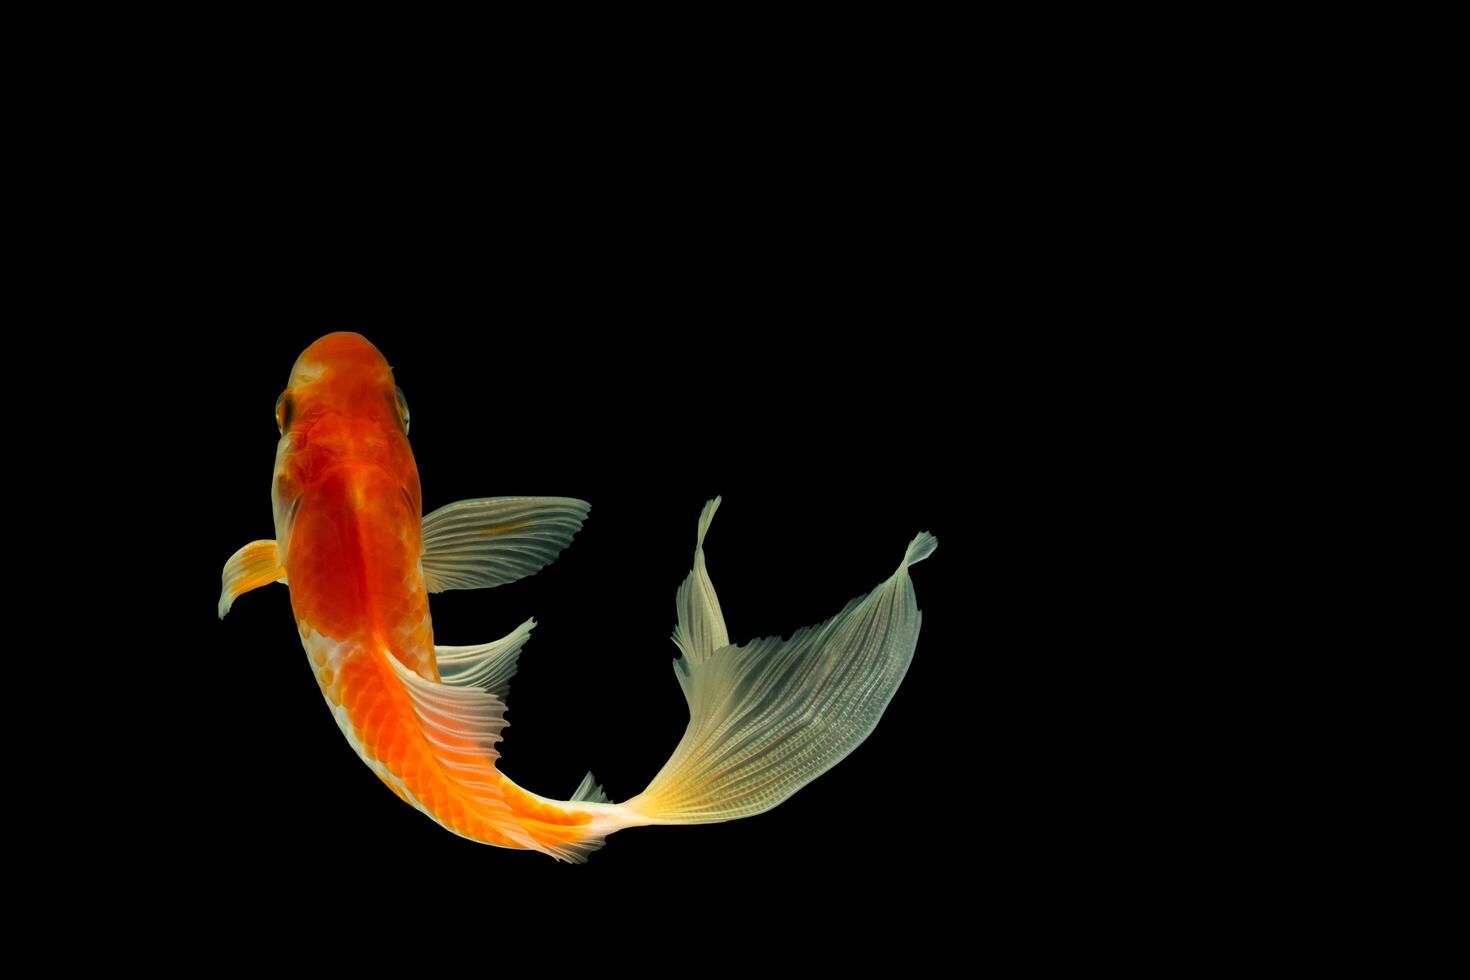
(345, 376)
(340, 407)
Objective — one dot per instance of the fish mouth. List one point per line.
(343, 350)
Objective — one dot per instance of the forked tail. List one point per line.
(768, 717)
(765, 718)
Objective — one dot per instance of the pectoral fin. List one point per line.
(479, 544)
(256, 564)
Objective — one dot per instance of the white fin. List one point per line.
(920, 548)
(255, 565)
(488, 666)
(700, 630)
(479, 544)
(767, 718)
(462, 726)
(589, 791)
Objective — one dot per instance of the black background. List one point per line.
(835, 410)
(851, 340)
(893, 336)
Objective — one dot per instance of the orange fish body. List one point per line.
(360, 560)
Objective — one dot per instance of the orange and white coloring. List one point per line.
(360, 560)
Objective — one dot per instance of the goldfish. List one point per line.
(360, 560)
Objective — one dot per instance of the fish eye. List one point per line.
(283, 412)
(402, 408)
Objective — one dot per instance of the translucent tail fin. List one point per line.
(768, 717)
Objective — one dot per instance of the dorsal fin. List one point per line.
(588, 791)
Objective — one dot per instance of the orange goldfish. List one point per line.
(360, 560)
